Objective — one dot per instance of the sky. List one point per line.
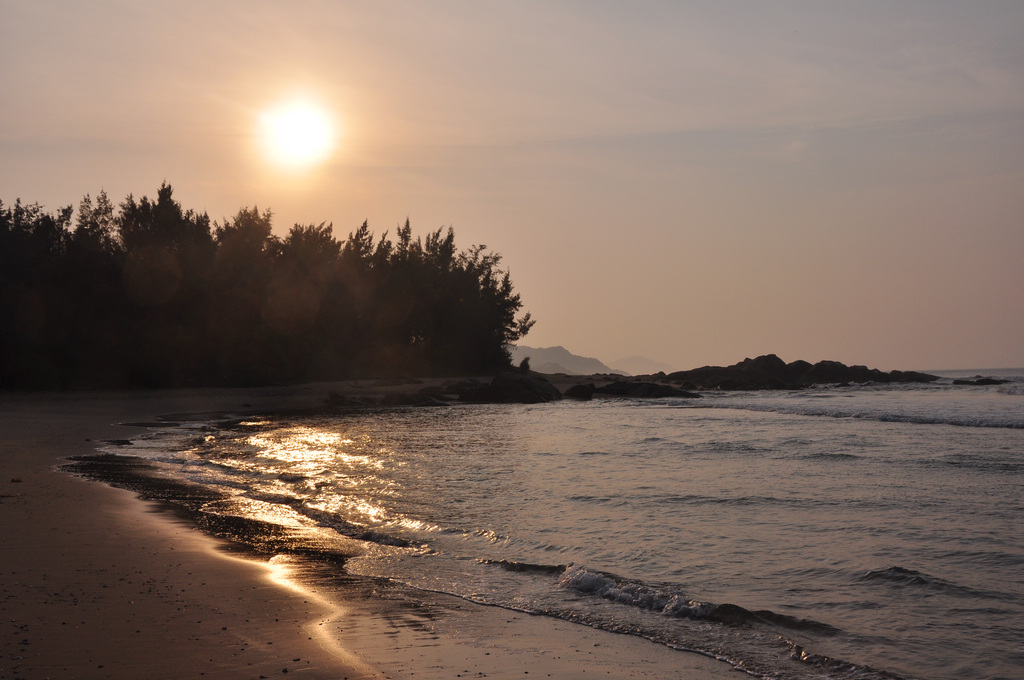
(692, 182)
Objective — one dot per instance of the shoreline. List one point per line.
(99, 583)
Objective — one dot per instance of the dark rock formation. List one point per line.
(513, 388)
(457, 387)
(580, 391)
(643, 390)
(769, 372)
(980, 381)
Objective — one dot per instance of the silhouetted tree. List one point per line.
(168, 256)
(96, 225)
(35, 333)
(147, 294)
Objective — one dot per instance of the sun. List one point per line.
(297, 134)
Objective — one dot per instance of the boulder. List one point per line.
(513, 388)
(980, 381)
(457, 387)
(580, 391)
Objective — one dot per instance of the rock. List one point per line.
(798, 367)
(769, 372)
(912, 376)
(439, 392)
(457, 387)
(825, 372)
(580, 391)
(513, 388)
(980, 381)
(764, 373)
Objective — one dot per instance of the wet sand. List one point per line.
(96, 583)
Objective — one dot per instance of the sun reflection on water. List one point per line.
(309, 446)
(273, 513)
(331, 476)
(329, 471)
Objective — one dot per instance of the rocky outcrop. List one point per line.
(980, 381)
(769, 372)
(513, 388)
(583, 392)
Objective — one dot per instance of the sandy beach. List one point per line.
(96, 583)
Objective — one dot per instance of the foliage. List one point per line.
(150, 294)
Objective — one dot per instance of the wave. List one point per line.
(1006, 418)
(828, 455)
(902, 577)
(331, 520)
(745, 501)
(957, 420)
(525, 567)
(676, 605)
(761, 643)
(1012, 467)
(760, 640)
(592, 499)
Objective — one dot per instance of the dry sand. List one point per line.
(95, 583)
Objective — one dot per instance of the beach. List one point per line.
(97, 583)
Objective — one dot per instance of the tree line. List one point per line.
(149, 294)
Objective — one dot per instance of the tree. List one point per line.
(96, 225)
(147, 294)
(33, 335)
(161, 223)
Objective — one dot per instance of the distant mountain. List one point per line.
(642, 366)
(559, 360)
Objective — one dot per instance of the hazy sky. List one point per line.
(695, 182)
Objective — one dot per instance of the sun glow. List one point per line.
(297, 134)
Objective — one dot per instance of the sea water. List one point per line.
(839, 532)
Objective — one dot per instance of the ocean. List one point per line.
(864, 532)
